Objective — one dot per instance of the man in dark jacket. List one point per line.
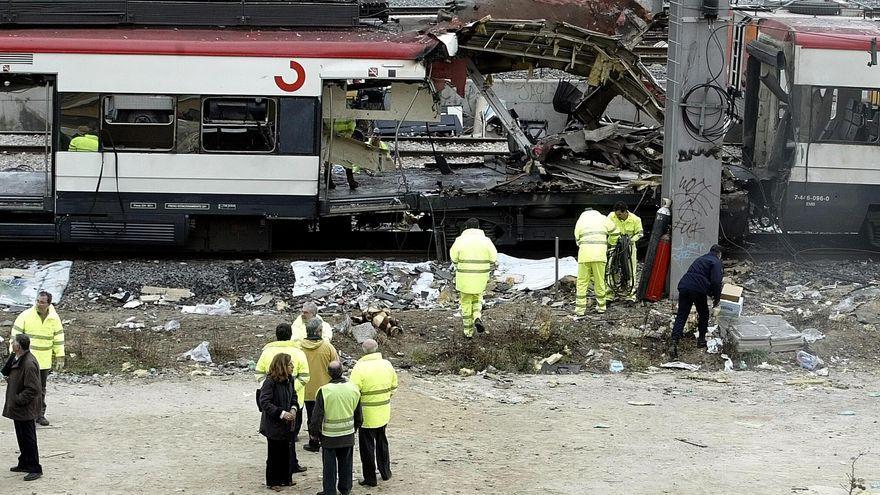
(703, 279)
(335, 418)
(23, 404)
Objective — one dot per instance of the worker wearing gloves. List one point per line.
(473, 254)
(593, 232)
(299, 375)
(630, 225)
(703, 279)
(43, 325)
(376, 379)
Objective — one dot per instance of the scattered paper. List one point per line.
(678, 365)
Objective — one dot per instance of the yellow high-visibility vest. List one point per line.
(86, 142)
(377, 381)
(594, 232)
(473, 254)
(47, 336)
(632, 226)
(340, 402)
(297, 359)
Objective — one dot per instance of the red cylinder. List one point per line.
(659, 271)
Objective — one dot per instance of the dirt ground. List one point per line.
(757, 434)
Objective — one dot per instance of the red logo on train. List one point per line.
(297, 83)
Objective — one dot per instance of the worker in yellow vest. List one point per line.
(335, 417)
(473, 254)
(376, 379)
(42, 324)
(300, 376)
(345, 128)
(594, 233)
(86, 141)
(628, 224)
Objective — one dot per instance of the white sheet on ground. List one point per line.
(533, 274)
(22, 291)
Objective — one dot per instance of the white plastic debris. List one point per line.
(219, 308)
(132, 304)
(615, 366)
(20, 287)
(199, 353)
(728, 363)
(812, 335)
(680, 366)
(533, 274)
(808, 361)
(172, 325)
(713, 345)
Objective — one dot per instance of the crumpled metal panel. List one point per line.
(624, 18)
(609, 66)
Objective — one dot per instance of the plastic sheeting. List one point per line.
(533, 274)
(22, 290)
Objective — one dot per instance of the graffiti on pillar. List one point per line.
(688, 155)
(687, 251)
(692, 203)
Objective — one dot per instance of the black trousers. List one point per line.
(44, 374)
(374, 453)
(337, 464)
(686, 299)
(278, 463)
(294, 461)
(310, 405)
(26, 434)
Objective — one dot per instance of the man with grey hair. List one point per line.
(23, 404)
(377, 381)
(309, 312)
(319, 353)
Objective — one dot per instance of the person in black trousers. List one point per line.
(23, 404)
(278, 402)
(337, 415)
(703, 279)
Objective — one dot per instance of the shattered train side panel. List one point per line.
(609, 67)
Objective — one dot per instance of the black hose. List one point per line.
(618, 273)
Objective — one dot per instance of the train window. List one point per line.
(139, 122)
(843, 115)
(79, 116)
(189, 120)
(239, 124)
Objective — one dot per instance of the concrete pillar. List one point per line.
(692, 159)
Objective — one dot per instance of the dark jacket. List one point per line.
(274, 398)
(703, 277)
(24, 398)
(316, 420)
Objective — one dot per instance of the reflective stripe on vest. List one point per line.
(340, 402)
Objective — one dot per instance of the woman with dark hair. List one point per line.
(279, 404)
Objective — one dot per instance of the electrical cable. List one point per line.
(618, 273)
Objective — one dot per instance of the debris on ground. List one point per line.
(678, 365)
(19, 287)
(199, 354)
(808, 361)
(770, 333)
(219, 308)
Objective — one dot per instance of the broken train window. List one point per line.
(239, 124)
(138, 122)
(841, 115)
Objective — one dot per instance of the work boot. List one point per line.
(42, 421)
(311, 448)
(701, 340)
(478, 324)
(32, 476)
(673, 349)
(299, 469)
(367, 483)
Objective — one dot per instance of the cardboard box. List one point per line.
(730, 309)
(732, 293)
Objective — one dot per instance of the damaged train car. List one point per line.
(216, 139)
(811, 120)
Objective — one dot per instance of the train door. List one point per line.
(26, 143)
